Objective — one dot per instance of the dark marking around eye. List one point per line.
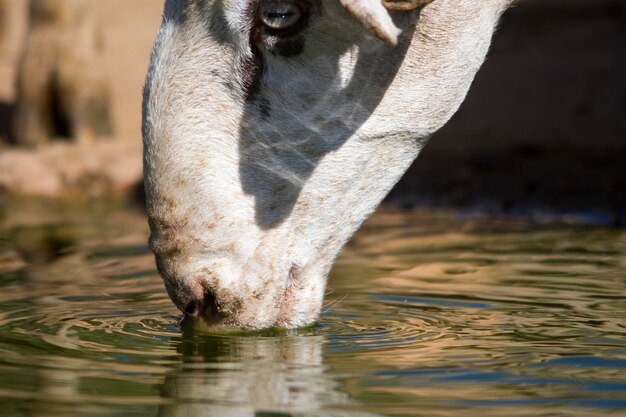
(282, 24)
(264, 41)
(252, 69)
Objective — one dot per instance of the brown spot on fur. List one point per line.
(168, 227)
(289, 296)
(294, 273)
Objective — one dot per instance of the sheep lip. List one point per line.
(204, 322)
(207, 313)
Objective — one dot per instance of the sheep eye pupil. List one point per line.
(280, 16)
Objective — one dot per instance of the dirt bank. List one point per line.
(111, 165)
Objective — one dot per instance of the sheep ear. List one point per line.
(405, 4)
(374, 17)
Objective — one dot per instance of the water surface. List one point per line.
(427, 315)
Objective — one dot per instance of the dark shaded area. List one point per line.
(544, 125)
(7, 111)
(42, 244)
(59, 125)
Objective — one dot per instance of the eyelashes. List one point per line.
(283, 18)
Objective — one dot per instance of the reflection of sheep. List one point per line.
(262, 374)
(61, 85)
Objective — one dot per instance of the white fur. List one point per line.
(374, 17)
(251, 198)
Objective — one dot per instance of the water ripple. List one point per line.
(489, 319)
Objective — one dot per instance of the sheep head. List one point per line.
(273, 128)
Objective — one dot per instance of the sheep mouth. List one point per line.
(209, 312)
(208, 322)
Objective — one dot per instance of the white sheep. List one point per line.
(273, 128)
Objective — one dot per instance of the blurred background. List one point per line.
(543, 129)
(542, 133)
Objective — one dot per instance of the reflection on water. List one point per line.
(426, 315)
(242, 376)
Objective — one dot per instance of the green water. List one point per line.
(427, 315)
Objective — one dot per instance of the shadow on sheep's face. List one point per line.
(240, 118)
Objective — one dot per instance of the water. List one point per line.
(427, 315)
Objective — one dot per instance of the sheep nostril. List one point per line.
(207, 307)
(192, 309)
(210, 303)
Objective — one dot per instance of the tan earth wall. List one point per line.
(543, 127)
(128, 27)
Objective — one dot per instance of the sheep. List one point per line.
(273, 128)
(62, 90)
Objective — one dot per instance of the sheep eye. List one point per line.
(281, 16)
